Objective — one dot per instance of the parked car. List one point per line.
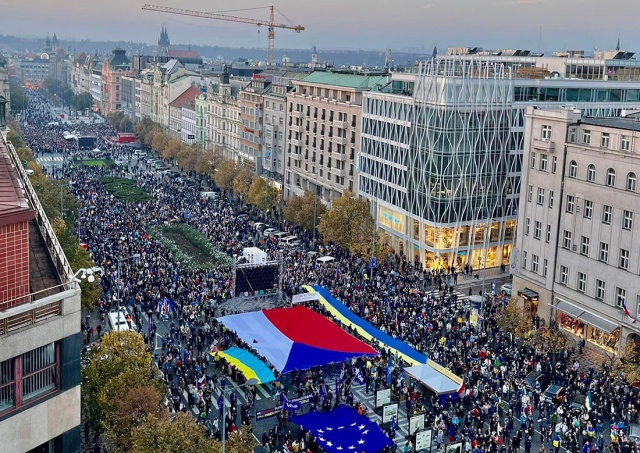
(281, 234)
(553, 393)
(536, 380)
(243, 217)
(259, 226)
(506, 289)
(269, 231)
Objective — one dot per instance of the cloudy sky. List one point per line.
(344, 24)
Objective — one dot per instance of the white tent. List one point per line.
(437, 378)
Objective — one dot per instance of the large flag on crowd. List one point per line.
(165, 306)
(343, 430)
(296, 338)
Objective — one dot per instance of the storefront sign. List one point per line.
(389, 412)
(383, 397)
(391, 219)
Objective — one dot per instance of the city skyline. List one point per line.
(412, 24)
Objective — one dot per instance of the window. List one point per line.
(36, 371)
(537, 232)
(588, 209)
(545, 265)
(534, 263)
(540, 196)
(554, 164)
(601, 289)
(530, 193)
(591, 173)
(533, 160)
(546, 132)
(586, 137)
(571, 202)
(564, 275)
(627, 220)
(573, 169)
(624, 259)
(527, 225)
(548, 236)
(604, 252)
(544, 159)
(566, 239)
(632, 182)
(550, 199)
(621, 296)
(607, 214)
(584, 245)
(582, 282)
(625, 143)
(605, 138)
(611, 177)
(524, 259)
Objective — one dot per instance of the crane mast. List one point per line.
(271, 23)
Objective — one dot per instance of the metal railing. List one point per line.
(60, 261)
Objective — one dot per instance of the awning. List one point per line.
(586, 317)
(598, 322)
(528, 293)
(569, 309)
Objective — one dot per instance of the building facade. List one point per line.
(201, 120)
(188, 127)
(442, 152)
(33, 71)
(113, 69)
(4, 80)
(128, 99)
(223, 117)
(578, 230)
(176, 114)
(323, 133)
(40, 316)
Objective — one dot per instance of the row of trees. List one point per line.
(62, 211)
(18, 96)
(123, 395)
(120, 122)
(348, 223)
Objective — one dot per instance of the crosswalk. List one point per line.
(49, 159)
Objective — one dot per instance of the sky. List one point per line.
(344, 24)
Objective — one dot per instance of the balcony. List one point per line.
(295, 141)
(338, 172)
(544, 145)
(339, 140)
(340, 124)
(295, 128)
(297, 114)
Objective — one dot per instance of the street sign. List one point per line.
(372, 263)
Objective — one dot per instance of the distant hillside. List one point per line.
(228, 54)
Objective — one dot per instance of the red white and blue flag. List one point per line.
(626, 312)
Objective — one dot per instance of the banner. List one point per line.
(423, 440)
(514, 267)
(290, 405)
(274, 411)
(389, 412)
(383, 397)
(416, 423)
(304, 297)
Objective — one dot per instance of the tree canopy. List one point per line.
(262, 195)
(349, 224)
(300, 210)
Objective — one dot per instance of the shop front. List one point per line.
(593, 328)
(530, 298)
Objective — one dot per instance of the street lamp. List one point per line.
(252, 381)
(135, 256)
(87, 274)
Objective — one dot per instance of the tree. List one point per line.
(114, 119)
(125, 125)
(514, 319)
(300, 210)
(91, 291)
(16, 139)
(18, 97)
(225, 175)
(240, 441)
(82, 101)
(186, 157)
(208, 162)
(349, 224)
(549, 340)
(242, 181)
(262, 195)
(171, 149)
(160, 435)
(630, 362)
(159, 141)
(117, 353)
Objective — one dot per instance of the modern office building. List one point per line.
(441, 150)
(323, 132)
(578, 231)
(40, 340)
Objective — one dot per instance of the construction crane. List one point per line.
(271, 23)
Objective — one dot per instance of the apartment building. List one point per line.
(442, 150)
(323, 132)
(223, 116)
(114, 68)
(188, 127)
(40, 339)
(578, 225)
(201, 120)
(176, 114)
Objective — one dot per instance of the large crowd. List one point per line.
(496, 412)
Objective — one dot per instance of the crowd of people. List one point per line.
(497, 412)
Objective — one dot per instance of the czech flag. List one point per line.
(626, 312)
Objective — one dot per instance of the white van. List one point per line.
(288, 240)
(281, 234)
(119, 323)
(325, 259)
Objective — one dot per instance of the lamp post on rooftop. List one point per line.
(252, 381)
(135, 256)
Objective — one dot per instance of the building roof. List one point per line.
(178, 53)
(187, 97)
(13, 203)
(631, 124)
(363, 82)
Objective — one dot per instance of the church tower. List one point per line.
(164, 43)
